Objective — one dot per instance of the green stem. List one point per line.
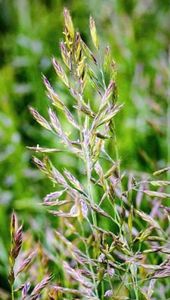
(89, 188)
(136, 292)
(12, 292)
(102, 292)
(90, 265)
(135, 284)
(87, 160)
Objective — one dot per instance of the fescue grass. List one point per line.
(113, 224)
(138, 34)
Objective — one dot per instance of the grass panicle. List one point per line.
(110, 221)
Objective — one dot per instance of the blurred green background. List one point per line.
(30, 31)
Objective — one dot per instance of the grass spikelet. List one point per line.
(39, 287)
(16, 243)
(159, 172)
(39, 118)
(157, 194)
(94, 33)
(25, 290)
(19, 262)
(68, 23)
(60, 72)
(26, 262)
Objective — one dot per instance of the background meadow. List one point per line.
(30, 32)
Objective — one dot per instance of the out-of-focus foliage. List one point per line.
(30, 31)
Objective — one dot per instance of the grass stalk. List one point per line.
(12, 292)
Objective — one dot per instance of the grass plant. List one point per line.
(112, 238)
